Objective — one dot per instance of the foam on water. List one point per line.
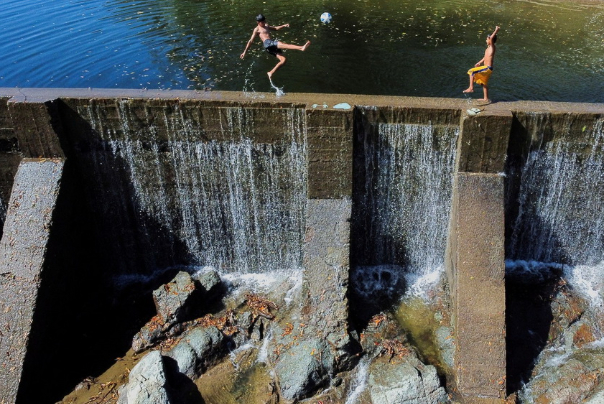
(589, 282)
(586, 280)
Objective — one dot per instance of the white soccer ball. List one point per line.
(325, 18)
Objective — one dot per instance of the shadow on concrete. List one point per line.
(529, 288)
(82, 322)
(377, 259)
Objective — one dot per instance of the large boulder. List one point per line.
(303, 368)
(198, 349)
(567, 377)
(404, 381)
(175, 301)
(210, 283)
(147, 383)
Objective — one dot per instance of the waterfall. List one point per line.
(231, 202)
(403, 204)
(560, 202)
(560, 197)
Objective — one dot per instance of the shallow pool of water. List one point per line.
(547, 49)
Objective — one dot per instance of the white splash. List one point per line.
(588, 281)
(418, 285)
(263, 351)
(359, 380)
(278, 90)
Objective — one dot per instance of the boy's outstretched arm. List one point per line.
(249, 43)
(278, 27)
(496, 30)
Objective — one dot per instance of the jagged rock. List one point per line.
(148, 336)
(198, 349)
(147, 382)
(175, 299)
(405, 380)
(176, 302)
(303, 368)
(566, 378)
(209, 281)
(347, 350)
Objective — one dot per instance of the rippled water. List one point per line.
(547, 50)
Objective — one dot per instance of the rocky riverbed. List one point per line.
(264, 342)
(263, 345)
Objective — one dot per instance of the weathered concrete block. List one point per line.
(326, 263)
(22, 256)
(330, 137)
(476, 272)
(33, 127)
(483, 142)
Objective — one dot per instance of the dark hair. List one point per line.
(493, 38)
(260, 17)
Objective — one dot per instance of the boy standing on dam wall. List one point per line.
(272, 46)
(481, 73)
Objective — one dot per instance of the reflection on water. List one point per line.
(547, 50)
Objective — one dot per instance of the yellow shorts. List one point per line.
(481, 74)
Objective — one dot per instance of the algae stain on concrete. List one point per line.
(424, 327)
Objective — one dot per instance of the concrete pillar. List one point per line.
(22, 258)
(327, 238)
(475, 257)
(476, 246)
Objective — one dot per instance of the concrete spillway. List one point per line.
(150, 181)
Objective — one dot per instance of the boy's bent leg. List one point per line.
(281, 62)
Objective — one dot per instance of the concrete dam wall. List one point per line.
(104, 192)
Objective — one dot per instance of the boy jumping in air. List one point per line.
(481, 73)
(272, 46)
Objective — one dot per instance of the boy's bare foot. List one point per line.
(468, 90)
(305, 46)
(270, 75)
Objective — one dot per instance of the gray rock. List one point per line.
(204, 341)
(146, 383)
(404, 382)
(148, 336)
(174, 300)
(346, 350)
(566, 377)
(198, 349)
(209, 281)
(186, 359)
(303, 368)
